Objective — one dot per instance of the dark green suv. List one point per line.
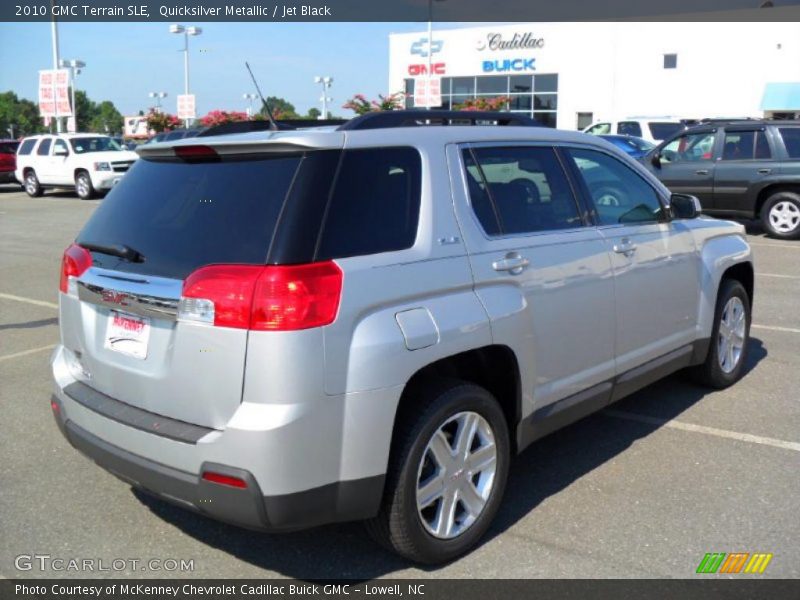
(745, 169)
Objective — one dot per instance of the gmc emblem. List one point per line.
(113, 297)
(417, 70)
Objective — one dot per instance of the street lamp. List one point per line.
(186, 32)
(325, 82)
(430, 48)
(158, 97)
(74, 67)
(249, 98)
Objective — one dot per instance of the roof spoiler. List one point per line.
(282, 125)
(417, 118)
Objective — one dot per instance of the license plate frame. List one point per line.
(128, 334)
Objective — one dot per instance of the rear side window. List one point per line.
(26, 147)
(520, 190)
(44, 147)
(661, 131)
(629, 128)
(791, 139)
(374, 206)
(181, 216)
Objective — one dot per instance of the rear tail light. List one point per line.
(263, 298)
(73, 264)
(196, 152)
(224, 479)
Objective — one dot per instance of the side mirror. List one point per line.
(655, 160)
(60, 152)
(684, 206)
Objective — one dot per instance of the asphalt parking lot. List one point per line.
(641, 490)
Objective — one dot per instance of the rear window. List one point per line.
(181, 216)
(661, 131)
(791, 139)
(8, 147)
(26, 147)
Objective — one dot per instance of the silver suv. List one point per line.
(288, 328)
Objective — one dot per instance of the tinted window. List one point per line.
(44, 147)
(181, 216)
(620, 195)
(670, 61)
(519, 190)
(375, 203)
(82, 145)
(8, 147)
(661, 131)
(692, 147)
(492, 85)
(26, 147)
(791, 139)
(60, 145)
(629, 128)
(600, 129)
(745, 145)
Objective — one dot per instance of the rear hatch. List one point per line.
(167, 218)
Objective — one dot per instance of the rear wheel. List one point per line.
(781, 215)
(728, 350)
(83, 185)
(446, 476)
(32, 185)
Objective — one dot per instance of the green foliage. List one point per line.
(281, 109)
(96, 117)
(22, 114)
(314, 113)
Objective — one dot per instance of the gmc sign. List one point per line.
(417, 70)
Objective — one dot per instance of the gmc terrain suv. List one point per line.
(287, 328)
(746, 169)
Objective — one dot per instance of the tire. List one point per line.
(83, 186)
(780, 215)
(717, 372)
(32, 185)
(447, 408)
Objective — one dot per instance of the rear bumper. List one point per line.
(8, 177)
(245, 507)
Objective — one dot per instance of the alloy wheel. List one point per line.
(784, 216)
(731, 338)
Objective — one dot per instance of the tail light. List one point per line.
(263, 298)
(73, 264)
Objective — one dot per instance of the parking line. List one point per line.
(789, 246)
(28, 301)
(778, 275)
(775, 328)
(723, 433)
(26, 352)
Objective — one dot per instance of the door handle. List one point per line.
(625, 247)
(765, 171)
(512, 262)
(701, 172)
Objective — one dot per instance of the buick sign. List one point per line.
(509, 64)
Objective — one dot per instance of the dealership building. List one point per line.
(567, 75)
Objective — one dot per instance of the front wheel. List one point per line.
(781, 215)
(446, 475)
(731, 332)
(83, 186)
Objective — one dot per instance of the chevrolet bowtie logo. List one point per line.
(421, 47)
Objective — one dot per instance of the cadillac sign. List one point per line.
(519, 41)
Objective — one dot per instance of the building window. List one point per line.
(670, 61)
(584, 120)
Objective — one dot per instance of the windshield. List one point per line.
(101, 143)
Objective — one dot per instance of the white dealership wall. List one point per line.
(616, 70)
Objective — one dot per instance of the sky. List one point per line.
(126, 61)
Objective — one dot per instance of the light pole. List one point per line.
(325, 82)
(430, 49)
(186, 32)
(158, 97)
(54, 38)
(74, 67)
(249, 98)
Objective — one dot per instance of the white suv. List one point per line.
(652, 129)
(89, 162)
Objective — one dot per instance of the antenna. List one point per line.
(272, 124)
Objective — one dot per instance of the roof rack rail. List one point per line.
(283, 125)
(417, 118)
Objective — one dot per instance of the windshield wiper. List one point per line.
(121, 250)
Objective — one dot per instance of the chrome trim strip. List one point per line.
(155, 297)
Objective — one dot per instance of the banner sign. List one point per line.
(54, 93)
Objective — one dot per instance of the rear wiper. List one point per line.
(121, 250)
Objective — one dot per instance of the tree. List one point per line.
(20, 113)
(361, 106)
(281, 109)
(484, 104)
(314, 113)
(161, 121)
(218, 117)
(99, 118)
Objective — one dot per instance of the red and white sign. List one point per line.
(428, 92)
(54, 93)
(186, 106)
(418, 70)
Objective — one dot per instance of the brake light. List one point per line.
(263, 298)
(73, 264)
(224, 479)
(196, 152)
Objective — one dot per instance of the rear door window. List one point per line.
(791, 140)
(26, 147)
(374, 207)
(745, 145)
(44, 147)
(629, 128)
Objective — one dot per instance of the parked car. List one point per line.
(633, 146)
(742, 169)
(8, 160)
(87, 162)
(652, 129)
(291, 328)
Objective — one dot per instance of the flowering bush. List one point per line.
(498, 103)
(361, 106)
(218, 117)
(160, 121)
